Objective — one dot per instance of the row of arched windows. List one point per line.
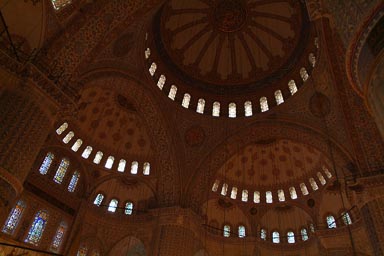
(37, 227)
(268, 194)
(114, 204)
(87, 151)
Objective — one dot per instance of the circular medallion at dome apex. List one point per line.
(230, 44)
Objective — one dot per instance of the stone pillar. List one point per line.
(373, 215)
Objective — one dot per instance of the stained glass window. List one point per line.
(186, 100)
(46, 163)
(58, 4)
(224, 189)
(68, 137)
(128, 208)
(292, 192)
(304, 234)
(62, 128)
(161, 81)
(256, 197)
(87, 151)
(264, 104)
(200, 106)
(98, 200)
(172, 92)
(244, 195)
(263, 234)
(331, 222)
(83, 250)
(121, 167)
(77, 145)
(113, 205)
(73, 182)
(146, 168)
(276, 237)
(234, 193)
(216, 109)
(14, 218)
(291, 237)
(152, 69)
(134, 167)
(279, 97)
(248, 108)
(280, 195)
(232, 110)
(109, 162)
(60, 173)
(215, 185)
(36, 230)
(304, 189)
(292, 87)
(98, 157)
(241, 231)
(58, 239)
(227, 231)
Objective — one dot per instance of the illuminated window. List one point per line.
(215, 186)
(58, 238)
(152, 69)
(304, 189)
(146, 169)
(248, 108)
(346, 218)
(244, 195)
(224, 189)
(234, 193)
(268, 197)
(172, 92)
(280, 195)
(291, 237)
(241, 231)
(58, 4)
(87, 152)
(113, 205)
(313, 184)
(98, 157)
(200, 106)
(83, 250)
(98, 200)
(121, 167)
(304, 234)
(128, 208)
(331, 222)
(275, 237)
(134, 167)
(256, 197)
(186, 100)
(62, 128)
(304, 74)
(60, 173)
(147, 53)
(14, 218)
(77, 145)
(232, 110)
(321, 178)
(73, 182)
(46, 163)
(292, 87)
(264, 104)
(327, 172)
(292, 192)
(36, 230)
(263, 234)
(109, 162)
(68, 137)
(312, 59)
(227, 231)
(279, 97)
(312, 227)
(161, 82)
(216, 109)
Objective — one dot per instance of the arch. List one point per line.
(130, 246)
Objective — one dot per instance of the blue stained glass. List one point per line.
(46, 163)
(37, 228)
(58, 239)
(14, 218)
(73, 182)
(60, 173)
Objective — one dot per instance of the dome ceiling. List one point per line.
(230, 44)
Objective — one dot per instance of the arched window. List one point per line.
(186, 100)
(121, 167)
(346, 218)
(58, 4)
(14, 218)
(146, 168)
(215, 186)
(275, 237)
(268, 197)
(134, 167)
(264, 104)
(279, 97)
(291, 237)
(172, 92)
(161, 82)
(234, 193)
(292, 192)
(244, 195)
(75, 147)
(216, 108)
(68, 137)
(109, 162)
(200, 106)
(280, 195)
(304, 234)
(232, 110)
(241, 231)
(98, 200)
(331, 222)
(313, 184)
(248, 108)
(128, 208)
(46, 163)
(312, 59)
(321, 178)
(98, 157)
(224, 189)
(36, 230)
(62, 128)
(73, 182)
(58, 238)
(263, 234)
(152, 69)
(327, 172)
(317, 43)
(113, 205)
(312, 227)
(147, 53)
(304, 74)
(256, 197)
(87, 152)
(304, 189)
(60, 173)
(227, 231)
(83, 250)
(292, 87)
